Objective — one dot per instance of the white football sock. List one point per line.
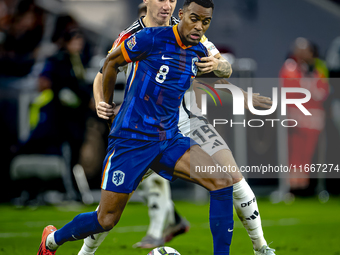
(50, 242)
(171, 219)
(159, 203)
(247, 210)
(91, 243)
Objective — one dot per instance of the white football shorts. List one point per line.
(203, 133)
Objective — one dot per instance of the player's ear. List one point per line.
(180, 14)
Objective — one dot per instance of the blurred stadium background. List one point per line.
(257, 38)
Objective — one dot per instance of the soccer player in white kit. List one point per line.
(157, 189)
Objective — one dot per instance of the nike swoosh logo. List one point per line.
(230, 230)
(77, 239)
(165, 58)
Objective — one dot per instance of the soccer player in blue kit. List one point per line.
(156, 189)
(145, 132)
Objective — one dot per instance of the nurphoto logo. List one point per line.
(238, 105)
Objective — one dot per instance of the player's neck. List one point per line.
(148, 22)
(183, 40)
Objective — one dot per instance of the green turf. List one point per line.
(304, 227)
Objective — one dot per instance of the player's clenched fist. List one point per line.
(207, 64)
(217, 64)
(105, 110)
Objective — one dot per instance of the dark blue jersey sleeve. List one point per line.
(137, 46)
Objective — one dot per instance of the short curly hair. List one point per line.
(204, 3)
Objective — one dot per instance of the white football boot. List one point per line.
(265, 250)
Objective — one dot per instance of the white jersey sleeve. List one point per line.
(210, 46)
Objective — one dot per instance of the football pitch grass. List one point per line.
(304, 227)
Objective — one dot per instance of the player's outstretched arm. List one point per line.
(258, 100)
(104, 110)
(110, 71)
(217, 64)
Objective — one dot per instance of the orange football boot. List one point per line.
(43, 250)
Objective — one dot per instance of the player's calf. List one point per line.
(221, 195)
(221, 219)
(110, 208)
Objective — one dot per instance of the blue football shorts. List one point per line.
(127, 160)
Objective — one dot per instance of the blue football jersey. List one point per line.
(163, 70)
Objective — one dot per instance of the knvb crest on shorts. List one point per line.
(131, 43)
(118, 177)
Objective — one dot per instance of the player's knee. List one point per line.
(108, 220)
(219, 183)
(236, 176)
(212, 184)
(237, 179)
